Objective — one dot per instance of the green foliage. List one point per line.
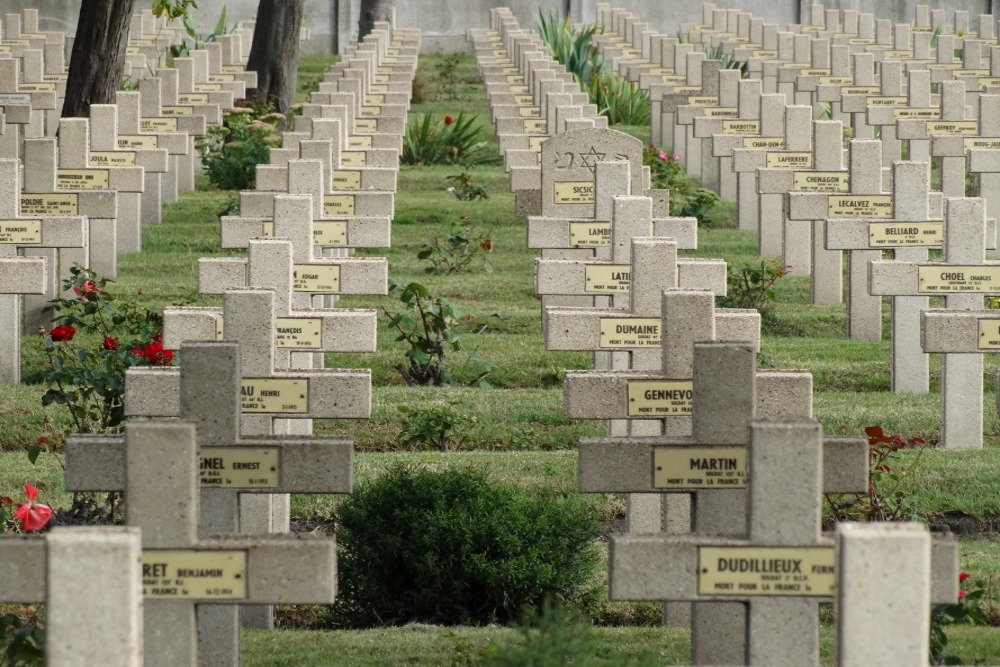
(446, 140)
(966, 610)
(465, 189)
(618, 99)
(455, 253)
(87, 374)
(552, 637)
(22, 644)
(751, 285)
(184, 48)
(448, 547)
(447, 75)
(440, 427)
(232, 151)
(728, 62)
(886, 499)
(687, 197)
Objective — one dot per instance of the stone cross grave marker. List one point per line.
(916, 104)
(220, 466)
(959, 143)
(89, 578)
(963, 277)
(983, 151)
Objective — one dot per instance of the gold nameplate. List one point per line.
(334, 205)
(953, 127)
(720, 112)
(37, 87)
(316, 278)
(789, 159)
(859, 206)
(515, 78)
(352, 158)
(763, 53)
(821, 181)
(905, 234)
(534, 126)
(137, 141)
(177, 111)
(374, 99)
(767, 571)
(741, 127)
(82, 179)
(20, 231)
(198, 575)
(380, 78)
(299, 332)
(380, 87)
(366, 125)
(673, 78)
(346, 179)
(607, 278)
(528, 111)
(50, 204)
(859, 90)
(523, 99)
(686, 90)
(535, 143)
(660, 398)
(221, 78)
(886, 101)
(275, 396)
(573, 192)
(629, 332)
(989, 334)
(971, 72)
(371, 110)
(589, 234)
(703, 100)
(192, 98)
(837, 80)
(981, 143)
(989, 81)
(688, 468)
(898, 54)
(958, 278)
(917, 113)
(240, 467)
(330, 233)
(813, 71)
(521, 90)
(764, 142)
(267, 229)
(362, 141)
(207, 87)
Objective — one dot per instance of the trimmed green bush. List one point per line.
(447, 547)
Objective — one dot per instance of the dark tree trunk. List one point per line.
(98, 60)
(274, 54)
(372, 11)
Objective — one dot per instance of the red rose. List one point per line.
(88, 289)
(32, 516)
(63, 332)
(962, 576)
(136, 350)
(110, 343)
(961, 594)
(152, 351)
(448, 120)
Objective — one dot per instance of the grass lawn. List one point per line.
(516, 428)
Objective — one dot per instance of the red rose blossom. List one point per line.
(63, 332)
(962, 576)
(32, 516)
(961, 594)
(448, 120)
(110, 343)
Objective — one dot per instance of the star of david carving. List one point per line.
(591, 158)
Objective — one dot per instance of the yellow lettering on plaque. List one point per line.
(50, 204)
(741, 127)
(589, 234)
(344, 179)
(953, 127)
(986, 82)
(221, 78)
(859, 206)
(275, 395)
(330, 233)
(660, 398)
(316, 278)
(137, 141)
(299, 332)
(334, 205)
(20, 232)
(989, 334)
(607, 278)
(528, 111)
(837, 80)
(673, 78)
(207, 87)
(905, 234)
(37, 86)
(764, 53)
(82, 179)
(353, 158)
(971, 72)
(195, 575)
(886, 101)
(523, 99)
(952, 278)
(366, 125)
(764, 142)
(703, 100)
(374, 99)
(361, 141)
(573, 192)
(699, 468)
(768, 571)
(812, 71)
(859, 90)
(821, 181)
(629, 332)
(240, 467)
(789, 159)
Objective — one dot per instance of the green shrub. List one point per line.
(553, 637)
(751, 285)
(455, 253)
(447, 140)
(687, 197)
(440, 427)
(232, 151)
(448, 547)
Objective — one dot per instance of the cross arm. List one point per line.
(23, 275)
(568, 276)
(23, 558)
(960, 331)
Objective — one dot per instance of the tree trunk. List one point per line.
(98, 60)
(274, 54)
(372, 11)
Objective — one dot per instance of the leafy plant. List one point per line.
(687, 197)
(465, 189)
(446, 140)
(447, 75)
(232, 151)
(555, 635)
(455, 253)
(751, 285)
(436, 427)
(886, 500)
(22, 641)
(967, 609)
(448, 547)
